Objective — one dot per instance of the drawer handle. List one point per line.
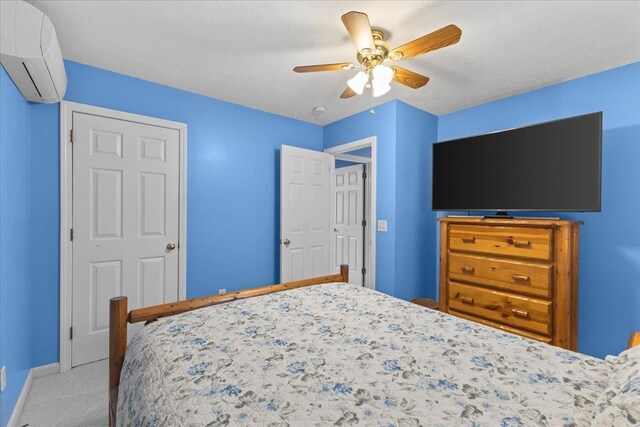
(469, 270)
(466, 300)
(519, 243)
(520, 278)
(520, 313)
(468, 239)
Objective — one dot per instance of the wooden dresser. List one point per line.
(518, 275)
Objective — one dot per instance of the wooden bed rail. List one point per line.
(149, 314)
(119, 318)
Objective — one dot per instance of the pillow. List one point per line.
(619, 404)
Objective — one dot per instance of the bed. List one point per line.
(326, 353)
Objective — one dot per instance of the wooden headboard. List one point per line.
(119, 318)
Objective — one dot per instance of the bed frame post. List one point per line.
(344, 272)
(117, 349)
(634, 340)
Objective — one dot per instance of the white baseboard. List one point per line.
(37, 372)
(46, 370)
(17, 410)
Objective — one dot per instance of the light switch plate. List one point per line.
(3, 378)
(382, 225)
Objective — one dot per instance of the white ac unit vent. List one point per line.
(30, 52)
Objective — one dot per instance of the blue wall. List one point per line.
(45, 226)
(383, 126)
(404, 136)
(233, 189)
(15, 242)
(416, 131)
(362, 152)
(344, 164)
(609, 289)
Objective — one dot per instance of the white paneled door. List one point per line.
(304, 213)
(346, 220)
(125, 223)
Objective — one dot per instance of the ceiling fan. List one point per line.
(373, 52)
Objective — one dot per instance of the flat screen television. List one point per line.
(553, 166)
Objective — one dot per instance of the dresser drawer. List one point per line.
(502, 307)
(525, 242)
(517, 276)
(523, 333)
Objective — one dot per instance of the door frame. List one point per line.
(66, 208)
(370, 194)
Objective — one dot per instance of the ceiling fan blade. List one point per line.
(357, 24)
(409, 78)
(324, 67)
(443, 37)
(348, 93)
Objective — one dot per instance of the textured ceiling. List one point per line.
(244, 52)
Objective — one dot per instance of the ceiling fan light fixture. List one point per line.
(357, 82)
(380, 89)
(382, 75)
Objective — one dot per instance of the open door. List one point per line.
(347, 222)
(305, 192)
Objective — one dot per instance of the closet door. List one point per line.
(125, 223)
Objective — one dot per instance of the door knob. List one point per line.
(286, 242)
(171, 246)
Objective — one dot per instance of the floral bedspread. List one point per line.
(337, 354)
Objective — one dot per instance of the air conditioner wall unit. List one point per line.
(30, 53)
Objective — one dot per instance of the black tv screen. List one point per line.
(553, 166)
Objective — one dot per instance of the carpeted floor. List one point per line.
(71, 399)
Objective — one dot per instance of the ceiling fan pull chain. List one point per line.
(372, 111)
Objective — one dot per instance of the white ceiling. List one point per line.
(244, 52)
